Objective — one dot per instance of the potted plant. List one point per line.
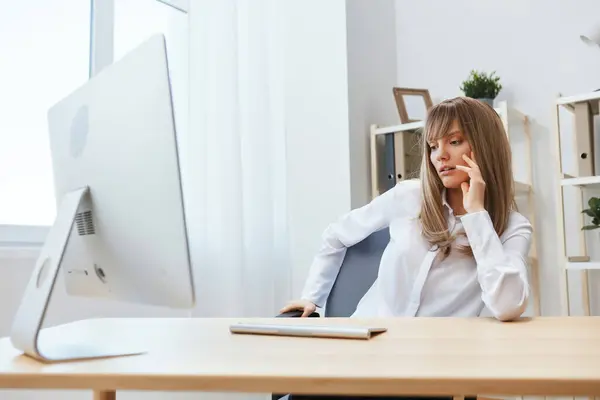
(594, 213)
(482, 86)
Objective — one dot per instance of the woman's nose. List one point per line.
(442, 153)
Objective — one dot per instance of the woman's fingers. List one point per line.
(468, 170)
(469, 161)
(290, 307)
(473, 170)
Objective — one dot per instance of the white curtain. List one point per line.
(235, 162)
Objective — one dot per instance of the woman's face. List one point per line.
(447, 153)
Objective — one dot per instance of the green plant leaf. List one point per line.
(593, 212)
(590, 227)
(480, 84)
(589, 213)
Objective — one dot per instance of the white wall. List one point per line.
(371, 42)
(340, 70)
(534, 46)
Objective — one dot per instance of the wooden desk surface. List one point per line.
(543, 356)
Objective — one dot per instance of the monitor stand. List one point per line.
(27, 325)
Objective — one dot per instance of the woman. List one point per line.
(457, 244)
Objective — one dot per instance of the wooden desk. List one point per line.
(437, 356)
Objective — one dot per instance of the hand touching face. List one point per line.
(474, 189)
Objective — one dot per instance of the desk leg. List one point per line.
(105, 395)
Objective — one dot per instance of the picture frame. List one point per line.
(400, 92)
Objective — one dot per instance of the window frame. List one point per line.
(26, 240)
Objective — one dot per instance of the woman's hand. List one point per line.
(306, 306)
(474, 190)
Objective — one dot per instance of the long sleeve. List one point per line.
(501, 263)
(348, 230)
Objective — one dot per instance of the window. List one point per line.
(46, 52)
(44, 55)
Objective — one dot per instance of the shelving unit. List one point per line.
(590, 181)
(583, 107)
(394, 141)
(395, 156)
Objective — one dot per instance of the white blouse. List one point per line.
(412, 279)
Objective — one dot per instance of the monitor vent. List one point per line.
(85, 224)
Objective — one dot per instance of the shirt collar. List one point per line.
(445, 200)
(447, 209)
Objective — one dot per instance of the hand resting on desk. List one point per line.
(300, 308)
(297, 314)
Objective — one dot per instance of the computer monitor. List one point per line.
(120, 230)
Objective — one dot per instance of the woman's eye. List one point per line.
(455, 142)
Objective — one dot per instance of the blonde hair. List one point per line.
(483, 129)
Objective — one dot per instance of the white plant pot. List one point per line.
(488, 101)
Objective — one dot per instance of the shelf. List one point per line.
(412, 126)
(592, 97)
(522, 188)
(578, 98)
(582, 266)
(583, 181)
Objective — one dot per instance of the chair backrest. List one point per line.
(357, 274)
